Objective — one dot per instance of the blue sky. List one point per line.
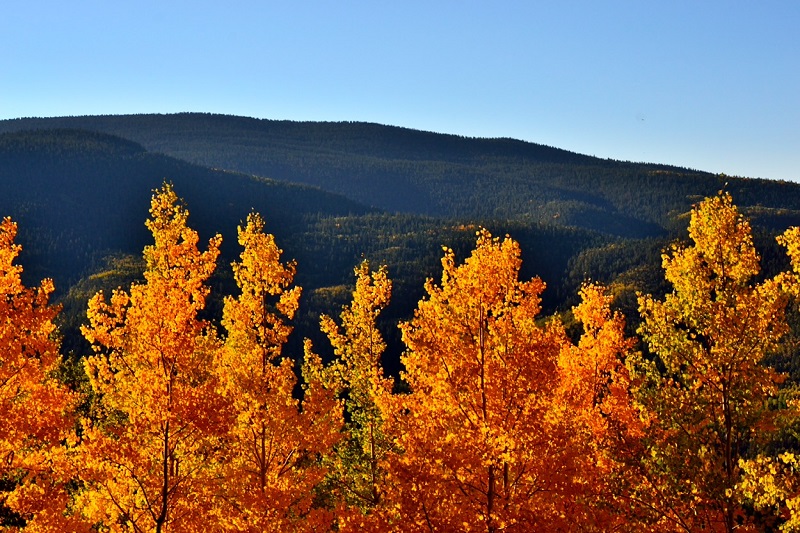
(712, 85)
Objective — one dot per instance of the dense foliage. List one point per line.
(499, 421)
(200, 396)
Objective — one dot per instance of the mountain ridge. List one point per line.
(404, 170)
(81, 196)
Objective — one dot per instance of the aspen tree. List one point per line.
(481, 449)
(36, 419)
(147, 458)
(275, 444)
(357, 477)
(706, 395)
(595, 400)
(773, 482)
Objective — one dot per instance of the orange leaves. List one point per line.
(273, 448)
(504, 422)
(255, 333)
(594, 378)
(146, 462)
(9, 281)
(596, 406)
(34, 408)
(480, 447)
(194, 432)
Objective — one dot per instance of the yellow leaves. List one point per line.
(773, 484)
(356, 475)
(255, 333)
(713, 314)
(358, 345)
(791, 240)
(723, 238)
(260, 270)
(489, 275)
(173, 261)
(710, 335)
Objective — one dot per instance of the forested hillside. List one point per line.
(79, 198)
(78, 195)
(410, 171)
(81, 193)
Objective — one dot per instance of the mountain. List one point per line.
(81, 198)
(336, 193)
(403, 170)
(80, 195)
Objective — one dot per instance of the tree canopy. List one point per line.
(503, 418)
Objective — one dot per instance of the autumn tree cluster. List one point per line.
(502, 420)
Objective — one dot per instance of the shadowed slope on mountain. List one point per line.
(405, 170)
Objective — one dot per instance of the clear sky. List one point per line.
(706, 84)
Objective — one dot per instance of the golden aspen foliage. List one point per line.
(146, 458)
(274, 446)
(481, 446)
(356, 476)
(791, 241)
(773, 483)
(594, 376)
(705, 396)
(36, 420)
(596, 402)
